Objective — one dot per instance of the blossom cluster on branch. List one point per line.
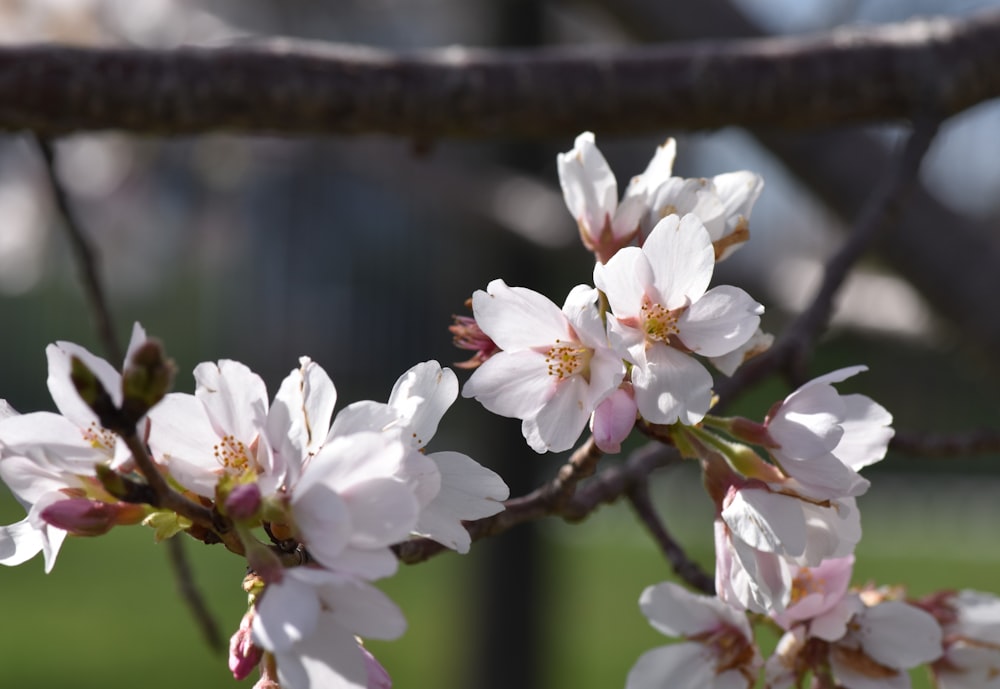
(319, 504)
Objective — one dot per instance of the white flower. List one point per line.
(591, 194)
(349, 506)
(720, 651)
(450, 486)
(824, 437)
(555, 367)
(758, 343)
(663, 312)
(880, 642)
(218, 431)
(760, 534)
(723, 205)
(310, 619)
(47, 457)
(971, 657)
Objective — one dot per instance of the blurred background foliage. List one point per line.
(356, 252)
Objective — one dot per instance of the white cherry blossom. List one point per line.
(663, 312)
(47, 457)
(310, 621)
(591, 194)
(718, 651)
(971, 627)
(555, 366)
(822, 437)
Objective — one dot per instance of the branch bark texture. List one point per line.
(852, 74)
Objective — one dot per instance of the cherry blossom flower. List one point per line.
(970, 621)
(591, 194)
(760, 535)
(47, 457)
(663, 312)
(309, 621)
(349, 505)
(880, 642)
(217, 432)
(821, 438)
(722, 203)
(555, 368)
(719, 650)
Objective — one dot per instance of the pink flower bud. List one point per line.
(244, 655)
(614, 418)
(243, 501)
(84, 517)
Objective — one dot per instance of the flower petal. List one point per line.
(681, 255)
(671, 386)
(720, 322)
(517, 317)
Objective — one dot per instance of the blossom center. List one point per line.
(806, 583)
(568, 359)
(99, 436)
(232, 454)
(660, 324)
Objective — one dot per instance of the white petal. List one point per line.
(235, 397)
(330, 658)
(383, 511)
(517, 317)
(323, 520)
(580, 309)
(686, 665)
(899, 635)
(60, 385)
(681, 255)
(720, 322)
(557, 425)
(588, 184)
(19, 542)
(363, 609)
(348, 460)
(421, 396)
(286, 613)
(657, 172)
(824, 477)
(366, 563)
(363, 416)
(767, 521)
(136, 340)
(866, 432)
(55, 441)
(468, 491)
(675, 611)
(807, 424)
(625, 279)
(671, 386)
(513, 384)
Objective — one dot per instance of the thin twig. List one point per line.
(847, 75)
(791, 351)
(684, 567)
(86, 258)
(190, 594)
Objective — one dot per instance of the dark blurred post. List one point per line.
(509, 654)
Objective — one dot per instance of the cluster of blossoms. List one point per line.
(625, 354)
(314, 501)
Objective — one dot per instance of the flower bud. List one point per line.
(148, 376)
(85, 517)
(243, 501)
(244, 655)
(93, 393)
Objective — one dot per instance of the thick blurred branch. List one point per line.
(852, 74)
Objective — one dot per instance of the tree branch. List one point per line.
(789, 354)
(852, 74)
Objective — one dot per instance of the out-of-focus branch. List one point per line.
(559, 497)
(946, 445)
(86, 258)
(852, 74)
(793, 347)
(684, 567)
